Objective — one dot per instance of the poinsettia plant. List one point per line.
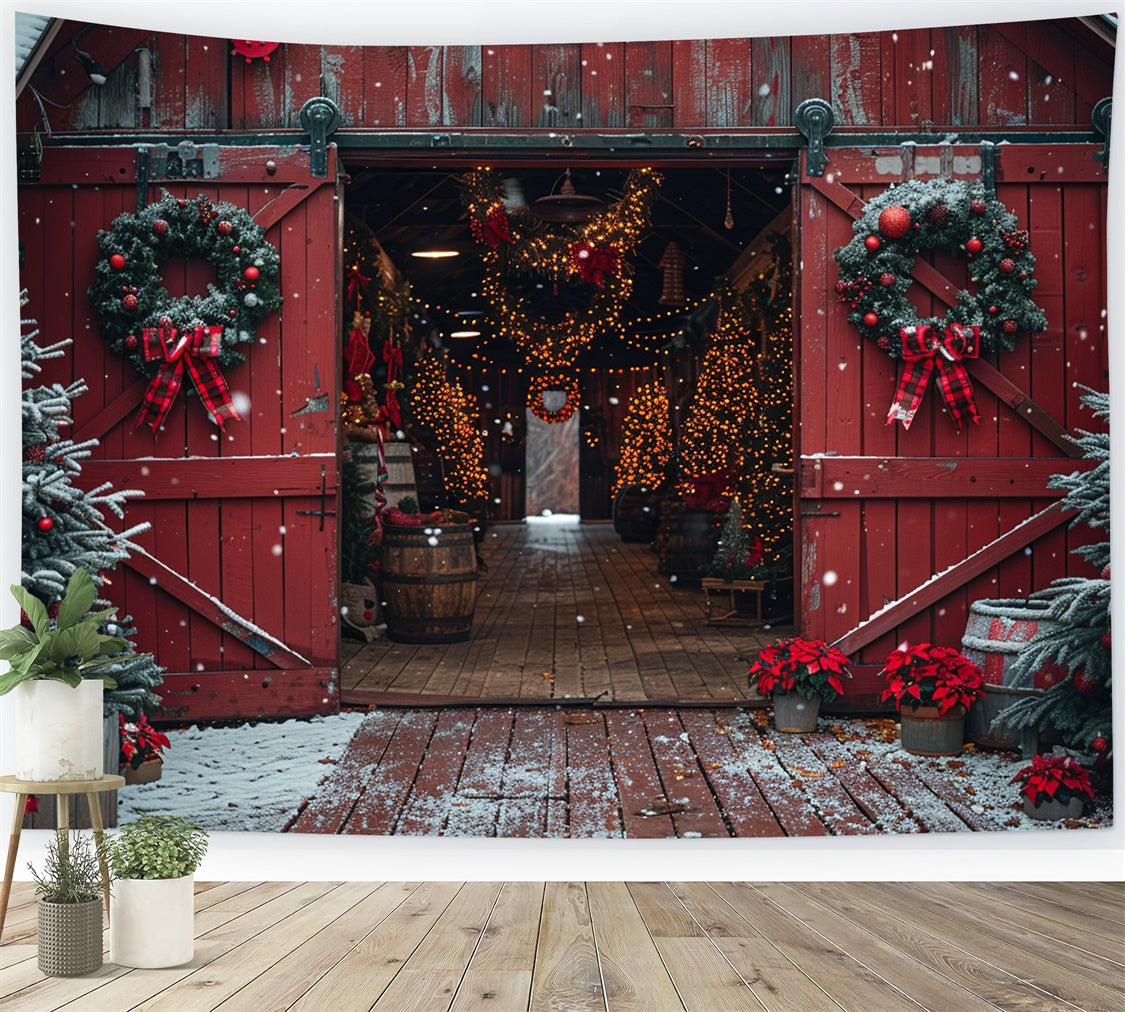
(140, 741)
(927, 675)
(806, 667)
(1053, 778)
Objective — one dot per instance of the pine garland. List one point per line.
(128, 294)
(955, 217)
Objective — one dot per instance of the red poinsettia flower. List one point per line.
(31, 804)
(928, 675)
(140, 741)
(808, 667)
(1053, 777)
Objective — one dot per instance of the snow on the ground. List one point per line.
(250, 777)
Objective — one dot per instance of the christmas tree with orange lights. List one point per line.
(646, 439)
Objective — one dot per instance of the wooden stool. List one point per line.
(733, 616)
(62, 789)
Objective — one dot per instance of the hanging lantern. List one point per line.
(566, 205)
(672, 264)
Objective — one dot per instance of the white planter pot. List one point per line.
(59, 730)
(152, 922)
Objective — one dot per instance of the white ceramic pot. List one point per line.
(152, 921)
(59, 730)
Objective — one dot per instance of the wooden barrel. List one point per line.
(995, 633)
(429, 582)
(692, 540)
(636, 514)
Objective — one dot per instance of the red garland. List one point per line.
(922, 349)
(199, 352)
(392, 358)
(593, 263)
(357, 282)
(494, 229)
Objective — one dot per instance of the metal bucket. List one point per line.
(926, 733)
(794, 712)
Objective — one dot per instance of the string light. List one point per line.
(646, 439)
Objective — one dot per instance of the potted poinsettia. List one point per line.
(1054, 787)
(56, 682)
(799, 674)
(933, 688)
(141, 744)
(154, 860)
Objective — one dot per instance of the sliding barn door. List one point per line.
(898, 531)
(234, 587)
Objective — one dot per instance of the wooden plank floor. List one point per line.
(565, 613)
(712, 947)
(653, 772)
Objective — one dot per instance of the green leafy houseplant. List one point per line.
(66, 648)
(157, 847)
(71, 873)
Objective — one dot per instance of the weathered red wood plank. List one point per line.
(461, 86)
(435, 784)
(648, 83)
(876, 803)
(772, 102)
(728, 84)
(214, 610)
(857, 78)
(638, 781)
(522, 818)
(556, 85)
(1003, 85)
(811, 57)
(690, 69)
(385, 75)
(529, 756)
(917, 800)
(205, 83)
(238, 695)
(684, 783)
(377, 809)
(932, 477)
(342, 70)
(603, 85)
(739, 798)
(484, 761)
(936, 588)
(945, 777)
(826, 794)
(592, 791)
(961, 47)
(333, 802)
(423, 86)
(214, 477)
(506, 87)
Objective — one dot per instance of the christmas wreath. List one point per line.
(553, 288)
(540, 384)
(161, 335)
(955, 217)
(128, 293)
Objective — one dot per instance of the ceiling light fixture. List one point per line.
(435, 254)
(465, 333)
(566, 205)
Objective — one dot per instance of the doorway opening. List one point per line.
(646, 382)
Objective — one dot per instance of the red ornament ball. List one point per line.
(160, 226)
(894, 221)
(978, 207)
(1099, 744)
(131, 341)
(130, 302)
(1084, 682)
(182, 202)
(224, 227)
(117, 261)
(1007, 265)
(871, 242)
(251, 273)
(884, 342)
(1107, 641)
(870, 319)
(886, 280)
(46, 524)
(974, 245)
(1010, 326)
(937, 215)
(236, 249)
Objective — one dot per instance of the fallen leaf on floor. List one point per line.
(547, 675)
(837, 764)
(662, 806)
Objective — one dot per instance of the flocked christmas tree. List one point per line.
(646, 439)
(1075, 632)
(64, 526)
(739, 553)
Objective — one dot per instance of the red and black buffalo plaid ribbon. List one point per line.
(198, 351)
(923, 348)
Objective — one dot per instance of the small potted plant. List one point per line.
(1053, 787)
(69, 892)
(799, 674)
(154, 861)
(141, 744)
(933, 688)
(56, 684)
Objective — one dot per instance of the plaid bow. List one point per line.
(198, 349)
(922, 348)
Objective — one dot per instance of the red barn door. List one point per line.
(881, 510)
(234, 589)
